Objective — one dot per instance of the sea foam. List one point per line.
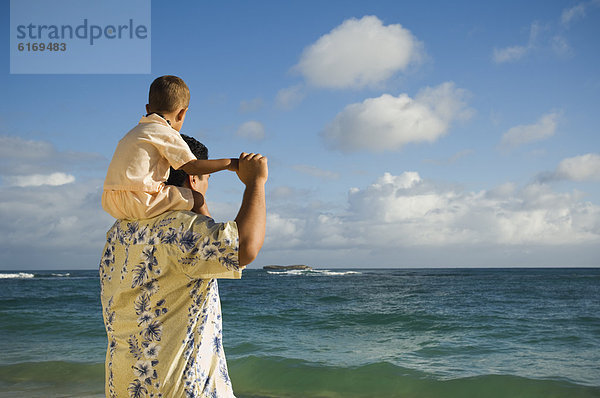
(20, 275)
(313, 272)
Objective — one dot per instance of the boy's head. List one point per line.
(169, 96)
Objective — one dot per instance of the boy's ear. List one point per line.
(147, 108)
(181, 114)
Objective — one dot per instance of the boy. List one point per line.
(134, 187)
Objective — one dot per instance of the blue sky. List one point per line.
(399, 134)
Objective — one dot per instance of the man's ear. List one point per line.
(191, 181)
(181, 114)
(147, 108)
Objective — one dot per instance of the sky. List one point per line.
(399, 134)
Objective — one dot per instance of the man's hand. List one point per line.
(252, 168)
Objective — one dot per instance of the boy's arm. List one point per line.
(208, 166)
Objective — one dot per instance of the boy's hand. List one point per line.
(234, 165)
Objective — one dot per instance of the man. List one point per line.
(160, 297)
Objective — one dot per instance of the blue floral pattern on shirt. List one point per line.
(144, 262)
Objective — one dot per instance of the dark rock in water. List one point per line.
(286, 267)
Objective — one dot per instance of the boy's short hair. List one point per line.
(178, 177)
(167, 94)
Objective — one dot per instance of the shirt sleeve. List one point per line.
(173, 148)
(210, 250)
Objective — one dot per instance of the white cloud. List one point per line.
(36, 180)
(544, 128)
(283, 192)
(358, 53)
(251, 130)
(580, 168)
(548, 36)
(573, 13)
(560, 46)
(289, 97)
(509, 54)
(49, 220)
(286, 231)
(252, 105)
(449, 226)
(423, 214)
(25, 157)
(398, 220)
(316, 172)
(514, 53)
(52, 226)
(388, 122)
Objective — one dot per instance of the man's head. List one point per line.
(179, 177)
(170, 97)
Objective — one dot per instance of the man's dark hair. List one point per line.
(168, 94)
(178, 177)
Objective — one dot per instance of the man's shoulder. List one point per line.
(195, 242)
(184, 217)
(181, 219)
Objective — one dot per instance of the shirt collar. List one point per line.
(155, 118)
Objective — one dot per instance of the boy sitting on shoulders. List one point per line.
(134, 187)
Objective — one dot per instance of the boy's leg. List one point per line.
(113, 202)
(168, 198)
(132, 205)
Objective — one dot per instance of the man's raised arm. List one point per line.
(252, 217)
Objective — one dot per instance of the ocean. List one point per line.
(336, 333)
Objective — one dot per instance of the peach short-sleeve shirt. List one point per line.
(142, 159)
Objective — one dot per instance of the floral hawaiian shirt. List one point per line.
(161, 305)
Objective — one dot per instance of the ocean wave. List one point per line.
(29, 275)
(273, 376)
(333, 299)
(313, 272)
(52, 379)
(61, 275)
(279, 377)
(19, 275)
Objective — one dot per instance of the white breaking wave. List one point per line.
(20, 275)
(326, 272)
(288, 272)
(315, 272)
(67, 274)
